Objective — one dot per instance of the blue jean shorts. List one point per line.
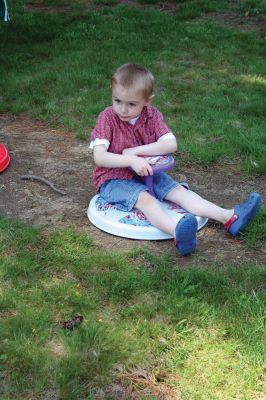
(124, 193)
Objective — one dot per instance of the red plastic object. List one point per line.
(4, 158)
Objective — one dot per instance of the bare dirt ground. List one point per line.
(35, 148)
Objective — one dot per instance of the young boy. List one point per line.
(132, 128)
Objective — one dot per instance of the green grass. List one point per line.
(252, 7)
(256, 232)
(195, 8)
(141, 313)
(210, 79)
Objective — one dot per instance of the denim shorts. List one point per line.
(124, 193)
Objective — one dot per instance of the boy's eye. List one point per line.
(132, 104)
(117, 100)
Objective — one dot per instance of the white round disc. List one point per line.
(132, 224)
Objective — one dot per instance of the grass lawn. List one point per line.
(151, 329)
(199, 331)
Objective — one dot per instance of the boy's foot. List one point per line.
(243, 214)
(185, 234)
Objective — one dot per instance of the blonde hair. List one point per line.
(134, 76)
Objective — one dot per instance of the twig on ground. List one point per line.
(43, 180)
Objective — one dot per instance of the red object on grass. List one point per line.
(4, 158)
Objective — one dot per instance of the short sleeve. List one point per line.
(98, 141)
(103, 128)
(167, 136)
(159, 126)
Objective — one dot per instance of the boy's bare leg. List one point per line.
(153, 212)
(197, 205)
(184, 232)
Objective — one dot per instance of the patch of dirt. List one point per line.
(242, 23)
(39, 7)
(35, 148)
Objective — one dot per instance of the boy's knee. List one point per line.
(145, 199)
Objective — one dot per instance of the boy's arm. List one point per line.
(159, 148)
(105, 159)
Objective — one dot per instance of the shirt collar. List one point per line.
(145, 114)
(133, 121)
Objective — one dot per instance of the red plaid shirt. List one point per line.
(122, 135)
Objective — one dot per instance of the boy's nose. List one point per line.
(124, 108)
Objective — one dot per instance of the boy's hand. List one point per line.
(141, 166)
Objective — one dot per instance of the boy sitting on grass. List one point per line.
(130, 129)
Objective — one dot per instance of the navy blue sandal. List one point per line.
(244, 213)
(185, 234)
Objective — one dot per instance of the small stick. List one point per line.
(43, 180)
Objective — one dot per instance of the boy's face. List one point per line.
(127, 104)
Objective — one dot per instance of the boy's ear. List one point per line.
(149, 100)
